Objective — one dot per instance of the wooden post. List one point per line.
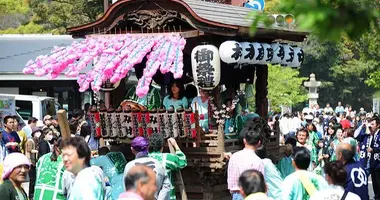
(221, 145)
(179, 178)
(64, 124)
(197, 127)
(262, 91)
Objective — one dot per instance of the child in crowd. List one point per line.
(321, 157)
(285, 164)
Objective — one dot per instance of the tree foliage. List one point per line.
(57, 15)
(285, 87)
(41, 16)
(327, 19)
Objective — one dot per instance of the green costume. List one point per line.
(171, 162)
(152, 100)
(313, 142)
(49, 178)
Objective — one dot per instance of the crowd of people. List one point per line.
(328, 154)
(37, 163)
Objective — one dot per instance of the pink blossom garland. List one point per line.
(177, 67)
(170, 55)
(135, 57)
(46, 63)
(152, 65)
(113, 58)
(124, 67)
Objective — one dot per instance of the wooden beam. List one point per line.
(64, 124)
(185, 34)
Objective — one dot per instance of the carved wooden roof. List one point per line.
(156, 16)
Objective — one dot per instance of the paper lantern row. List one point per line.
(260, 53)
(129, 124)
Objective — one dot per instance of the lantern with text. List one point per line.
(268, 54)
(288, 55)
(230, 52)
(278, 53)
(205, 62)
(298, 57)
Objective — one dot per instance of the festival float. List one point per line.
(199, 42)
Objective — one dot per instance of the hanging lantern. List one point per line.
(259, 53)
(278, 53)
(298, 57)
(230, 52)
(268, 54)
(288, 55)
(248, 53)
(205, 63)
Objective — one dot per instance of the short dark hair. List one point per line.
(54, 155)
(303, 130)
(81, 146)
(301, 157)
(78, 113)
(336, 172)
(156, 142)
(350, 132)
(261, 152)
(87, 106)
(252, 181)
(6, 118)
(252, 137)
(132, 178)
(375, 118)
(32, 120)
(181, 87)
(191, 91)
(44, 132)
(16, 118)
(291, 140)
(103, 151)
(314, 127)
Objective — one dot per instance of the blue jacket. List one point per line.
(357, 180)
(364, 142)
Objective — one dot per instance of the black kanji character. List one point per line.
(269, 54)
(251, 52)
(291, 54)
(260, 54)
(300, 56)
(281, 52)
(237, 52)
(204, 55)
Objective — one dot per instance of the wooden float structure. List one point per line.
(198, 22)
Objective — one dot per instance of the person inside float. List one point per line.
(176, 97)
(152, 100)
(200, 103)
(191, 92)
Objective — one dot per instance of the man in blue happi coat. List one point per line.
(369, 139)
(357, 179)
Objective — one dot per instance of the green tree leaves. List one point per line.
(328, 19)
(42, 16)
(285, 87)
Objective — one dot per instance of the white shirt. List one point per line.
(333, 192)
